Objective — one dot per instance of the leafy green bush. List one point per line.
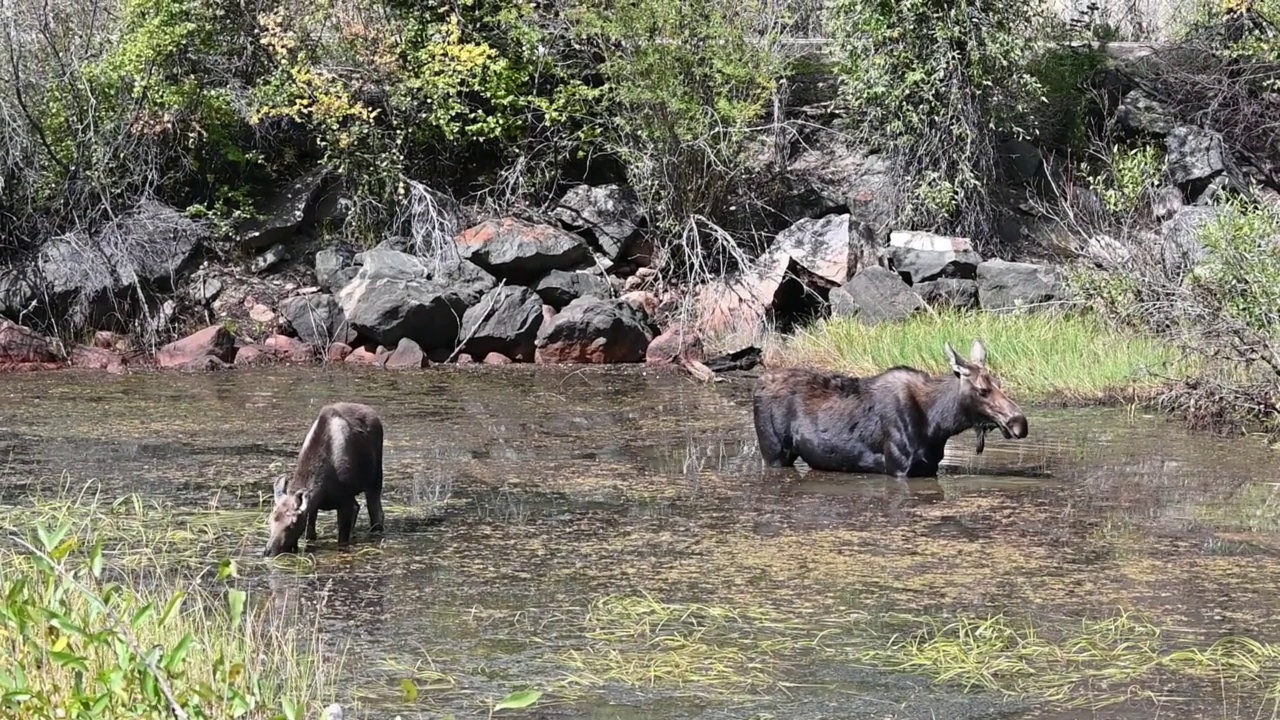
(687, 85)
(1064, 74)
(79, 644)
(932, 82)
(1240, 277)
(1126, 175)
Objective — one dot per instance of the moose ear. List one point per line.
(958, 365)
(978, 354)
(301, 497)
(277, 487)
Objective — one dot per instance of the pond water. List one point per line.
(610, 537)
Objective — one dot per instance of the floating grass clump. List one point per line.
(1039, 356)
(705, 650)
(83, 636)
(640, 641)
(1095, 664)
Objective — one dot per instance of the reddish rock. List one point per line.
(214, 341)
(548, 314)
(407, 355)
(262, 314)
(642, 301)
(291, 349)
(465, 359)
(107, 340)
(337, 352)
(494, 358)
(93, 358)
(20, 344)
(204, 363)
(362, 356)
(257, 355)
(512, 248)
(676, 344)
(591, 330)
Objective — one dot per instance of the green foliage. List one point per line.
(390, 90)
(930, 81)
(1241, 275)
(687, 86)
(1126, 175)
(1063, 73)
(79, 644)
(152, 95)
(1230, 26)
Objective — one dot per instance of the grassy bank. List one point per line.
(1061, 358)
(90, 632)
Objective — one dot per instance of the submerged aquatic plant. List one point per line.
(1099, 663)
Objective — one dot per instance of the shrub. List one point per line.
(79, 644)
(933, 82)
(687, 86)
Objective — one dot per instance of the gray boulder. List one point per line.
(1180, 247)
(561, 287)
(328, 262)
(317, 319)
(948, 293)
(289, 212)
(1139, 113)
(921, 256)
(611, 214)
(1193, 154)
(505, 321)
(832, 248)
(395, 295)
(88, 278)
(1006, 285)
(272, 259)
(16, 293)
(520, 251)
(875, 295)
(595, 331)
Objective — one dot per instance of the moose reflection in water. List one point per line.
(895, 423)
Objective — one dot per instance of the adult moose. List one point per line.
(895, 423)
(341, 457)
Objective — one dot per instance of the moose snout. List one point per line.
(1016, 426)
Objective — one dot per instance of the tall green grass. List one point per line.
(1037, 356)
(85, 633)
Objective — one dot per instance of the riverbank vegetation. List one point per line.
(97, 623)
(426, 112)
(1071, 358)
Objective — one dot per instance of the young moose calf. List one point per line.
(340, 458)
(894, 423)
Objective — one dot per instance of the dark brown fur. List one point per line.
(894, 423)
(329, 476)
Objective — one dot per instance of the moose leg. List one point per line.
(897, 459)
(347, 520)
(311, 524)
(775, 446)
(374, 499)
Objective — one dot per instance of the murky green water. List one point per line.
(532, 514)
